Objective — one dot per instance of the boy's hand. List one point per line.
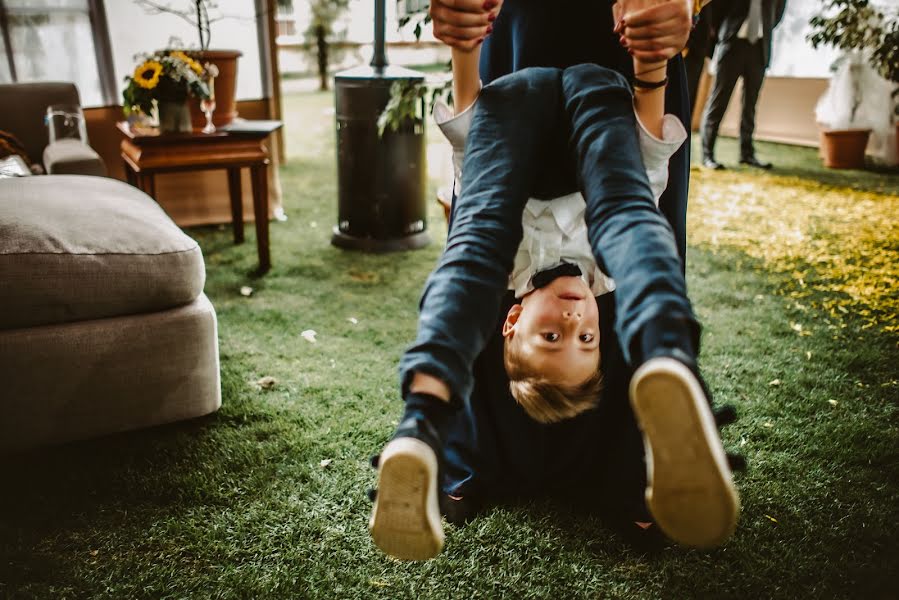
(463, 24)
(653, 30)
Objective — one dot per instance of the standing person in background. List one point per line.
(745, 28)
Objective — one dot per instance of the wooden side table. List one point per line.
(147, 153)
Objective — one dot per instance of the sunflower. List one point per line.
(147, 74)
(194, 65)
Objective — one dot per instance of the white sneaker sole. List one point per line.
(405, 521)
(689, 491)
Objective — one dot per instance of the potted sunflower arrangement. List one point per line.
(167, 79)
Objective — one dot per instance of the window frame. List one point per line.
(102, 48)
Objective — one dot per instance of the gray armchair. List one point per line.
(23, 107)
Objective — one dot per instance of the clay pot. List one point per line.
(225, 87)
(844, 148)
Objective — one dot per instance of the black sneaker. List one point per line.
(689, 491)
(405, 520)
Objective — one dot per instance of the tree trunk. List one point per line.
(322, 43)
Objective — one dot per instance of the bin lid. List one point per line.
(388, 72)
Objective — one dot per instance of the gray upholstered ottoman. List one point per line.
(103, 323)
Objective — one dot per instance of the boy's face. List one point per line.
(557, 327)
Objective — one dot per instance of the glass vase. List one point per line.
(174, 117)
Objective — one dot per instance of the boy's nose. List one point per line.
(570, 314)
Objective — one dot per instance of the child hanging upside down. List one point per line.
(559, 185)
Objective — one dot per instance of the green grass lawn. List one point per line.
(794, 275)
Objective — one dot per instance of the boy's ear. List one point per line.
(511, 320)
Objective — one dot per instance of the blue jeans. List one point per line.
(544, 132)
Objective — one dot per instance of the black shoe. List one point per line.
(405, 520)
(754, 162)
(711, 163)
(689, 491)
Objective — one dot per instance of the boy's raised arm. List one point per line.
(649, 101)
(466, 79)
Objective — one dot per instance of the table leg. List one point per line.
(259, 175)
(146, 182)
(236, 203)
(130, 177)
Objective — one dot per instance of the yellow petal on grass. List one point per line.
(832, 402)
(774, 382)
(353, 320)
(324, 464)
(768, 424)
(770, 518)
(246, 291)
(309, 335)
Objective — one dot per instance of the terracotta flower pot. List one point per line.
(225, 87)
(844, 148)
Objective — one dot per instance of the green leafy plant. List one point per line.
(856, 26)
(406, 95)
(885, 58)
(847, 25)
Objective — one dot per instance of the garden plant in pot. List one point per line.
(856, 28)
(886, 60)
(201, 14)
(167, 78)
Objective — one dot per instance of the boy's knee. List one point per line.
(534, 85)
(589, 75)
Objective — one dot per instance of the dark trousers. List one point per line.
(540, 132)
(738, 59)
(526, 126)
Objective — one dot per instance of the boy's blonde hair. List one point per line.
(543, 400)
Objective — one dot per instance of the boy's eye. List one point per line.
(587, 338)
(549, 336)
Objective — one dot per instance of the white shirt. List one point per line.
(743, 33)
(555, 230)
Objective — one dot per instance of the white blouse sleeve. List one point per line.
(657, 152)
(455, 130)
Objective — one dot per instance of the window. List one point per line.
(63, 40)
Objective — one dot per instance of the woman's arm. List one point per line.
(466, 80)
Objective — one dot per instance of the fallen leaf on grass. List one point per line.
(353, 320)
(770, 518)
(768, 424)
(364, 276)
(94, 552)
(324, 464)
(832, 402)
(266, 383)
(775, 382)
(309, 335)
(246, 291)
(808, 355)
(379, 583)
(796, 327)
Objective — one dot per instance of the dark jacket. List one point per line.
(730, 15)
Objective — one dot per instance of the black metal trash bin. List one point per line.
(381, 180)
